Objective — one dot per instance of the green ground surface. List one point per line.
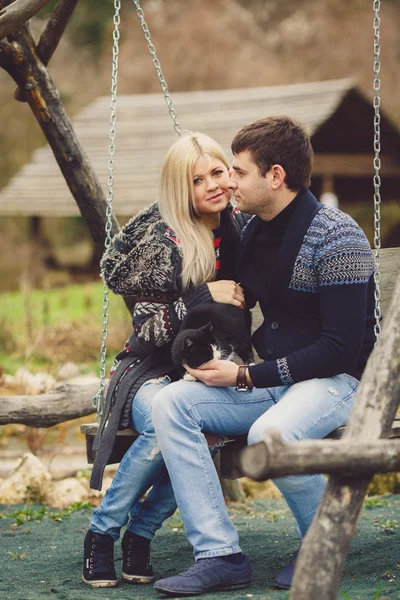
(42, 558)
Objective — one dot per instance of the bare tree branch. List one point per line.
(16, 14)
(55, 28)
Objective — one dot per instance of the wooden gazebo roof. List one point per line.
(338, 116)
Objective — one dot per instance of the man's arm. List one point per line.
(344, 269)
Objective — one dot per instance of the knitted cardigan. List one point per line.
(145, 261)
(319, 305)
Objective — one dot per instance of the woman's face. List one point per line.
(210, 182)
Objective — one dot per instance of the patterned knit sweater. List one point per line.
(318, 306)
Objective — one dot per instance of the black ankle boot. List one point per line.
(98, 560)
(136, 561)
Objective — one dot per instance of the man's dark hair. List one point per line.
(278, 140)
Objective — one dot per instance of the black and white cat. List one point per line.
(213, 332)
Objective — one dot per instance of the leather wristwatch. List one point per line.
(241, 380)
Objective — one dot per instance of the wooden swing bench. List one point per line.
(229, 466)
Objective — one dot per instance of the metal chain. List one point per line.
(157, 67)
(98, 400)
(377, 166)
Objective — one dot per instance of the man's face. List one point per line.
(252, 191)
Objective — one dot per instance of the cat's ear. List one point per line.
(188, 343)
(207, 327)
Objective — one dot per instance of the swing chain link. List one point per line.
(377, 166)
(98, 400)
(157, 66)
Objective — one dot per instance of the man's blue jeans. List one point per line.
(141, 467)
(306, 410)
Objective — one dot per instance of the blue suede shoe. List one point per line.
(207, 575)
(283, 580)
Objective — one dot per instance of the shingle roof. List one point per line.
(144, 133)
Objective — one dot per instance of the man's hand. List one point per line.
(218, 373)
(227, 292)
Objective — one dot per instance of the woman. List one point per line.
(173, 256)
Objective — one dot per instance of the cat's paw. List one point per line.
(188, 377)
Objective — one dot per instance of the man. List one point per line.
(310, 267)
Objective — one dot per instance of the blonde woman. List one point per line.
(176, 254)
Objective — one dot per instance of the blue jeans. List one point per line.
(141, 467)
(306, 410)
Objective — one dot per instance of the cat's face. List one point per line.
(194, 347)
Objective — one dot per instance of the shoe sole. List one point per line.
(138, 578)
(220, 587)
(101, 583)
(279, 586)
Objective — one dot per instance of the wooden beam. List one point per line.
(354, 165)
(275, 458)
(8, 56)
(51, 36)
(64, 403)
(13, 16)
(43, 98)
(325, 547)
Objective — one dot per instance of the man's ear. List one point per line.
(278, 176)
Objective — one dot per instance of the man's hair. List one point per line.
(278, 140)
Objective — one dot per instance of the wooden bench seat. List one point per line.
(229, 466)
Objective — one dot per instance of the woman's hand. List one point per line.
(227, 292)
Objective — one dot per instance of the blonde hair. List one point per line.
(177, 205)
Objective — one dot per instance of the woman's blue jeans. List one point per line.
(306, 410)
(141, 467)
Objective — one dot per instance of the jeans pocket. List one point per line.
(353, 381)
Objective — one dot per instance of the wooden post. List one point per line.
(14, 16)
(324, 549)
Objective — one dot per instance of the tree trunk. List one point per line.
(275, 458)
(324, 550)
(65, 402)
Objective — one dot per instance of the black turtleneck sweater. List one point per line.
(268, 239)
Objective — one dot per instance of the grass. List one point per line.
(47, 327)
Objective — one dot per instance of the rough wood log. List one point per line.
(324, 549)
(55, 28)
(51, 36)
(12, 17)
(275, 458)
(65, 402)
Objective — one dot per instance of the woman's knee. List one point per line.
(142, 404)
